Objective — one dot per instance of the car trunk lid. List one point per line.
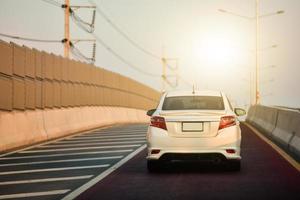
(193, 123)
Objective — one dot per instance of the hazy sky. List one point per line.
(215, 50)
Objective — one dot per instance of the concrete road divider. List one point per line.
(287, 125)
(294, 146)
(264, 118)
(280, 125)
(251, 114)
(23, 128)
(267, 119)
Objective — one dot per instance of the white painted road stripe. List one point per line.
(123, 130)
(95, 180)
(61, 161)
(118, 132)
(45, 180)
(92, 143)
(79, 148)
(52, 169)
(66, 154)
(99, 140)
(102, 139)
(48, 142)
(105, 136)
(110, 135)
(33, 194)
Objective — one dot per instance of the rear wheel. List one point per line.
(153, 165)
(234, 165)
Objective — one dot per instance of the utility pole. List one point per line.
(256, 18)
(68, 44)
(163, 76)
(257, 94)
(67, 29)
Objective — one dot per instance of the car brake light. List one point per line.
(158, 122)
(227, 121)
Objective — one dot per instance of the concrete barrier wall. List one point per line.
(44, 96)
(280, 125)
(22, 128)
(31, 79)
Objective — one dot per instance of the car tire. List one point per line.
(234, 165)
(153, 165)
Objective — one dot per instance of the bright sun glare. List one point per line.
(216, 51)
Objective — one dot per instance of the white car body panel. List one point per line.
(210, 140)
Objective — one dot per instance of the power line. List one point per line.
(135, 44)
(53, 2)
(30, 39)
(77, 53)
(88, 27)
(98, 39)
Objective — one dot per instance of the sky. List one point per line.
(215, 50)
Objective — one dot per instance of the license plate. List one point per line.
(192, 126)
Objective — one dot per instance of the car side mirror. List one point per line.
(150, 112)
(239, 111)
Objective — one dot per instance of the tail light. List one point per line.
(227, 121)
(230, 151)
(158, 122)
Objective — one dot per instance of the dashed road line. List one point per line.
(65, 163)
(80, 148)
(106, 136)
(61, 161)
(66, 154)
(113, 139)
(46, 180)
(55, 140)
(117, 132)
(33, 194)
(53, 169)
(92, 182)
(92, 143)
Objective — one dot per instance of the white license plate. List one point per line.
(192, 126)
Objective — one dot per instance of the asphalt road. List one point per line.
(264, 175)
(57, 169)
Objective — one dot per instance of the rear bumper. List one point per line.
(182, 153)
(229, 138)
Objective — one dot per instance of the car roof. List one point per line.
(195, 93)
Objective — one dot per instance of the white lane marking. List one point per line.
(92, 143)
(55, 140)
(45, 180)
(105, 136)
(52, 169)
(281, 152)
(99, 140)
(95, 180)
(61, 161)
(33, 194)
(66, 154)
(79, 148)
(118, 132)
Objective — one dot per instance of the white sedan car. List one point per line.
(194, 125)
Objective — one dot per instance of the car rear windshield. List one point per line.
(193, 103)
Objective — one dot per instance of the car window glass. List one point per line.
(193, 103)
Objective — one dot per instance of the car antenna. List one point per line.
(193, 92)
